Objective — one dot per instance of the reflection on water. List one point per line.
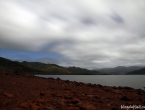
(134, 81)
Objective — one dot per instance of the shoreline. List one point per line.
(19, 92)
(72, 78)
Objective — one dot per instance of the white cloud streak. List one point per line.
(99, 33)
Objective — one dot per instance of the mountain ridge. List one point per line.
(54, 68)
(15, 67)
(119, 70)
(7, 65)
(137, 72)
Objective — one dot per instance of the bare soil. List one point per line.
(19, 92)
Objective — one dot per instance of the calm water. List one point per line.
(134, 81)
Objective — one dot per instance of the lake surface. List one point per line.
(134, 81)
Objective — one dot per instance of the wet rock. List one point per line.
(140, 92)
(51, 78)
(96, 97)
(67, 81)
(124, 98)
(53, 94)
(82, 108)
(77, 84)
(100, 85)
(114, 109)
(92, 85)
(127, 88)
(120, 88)
(42, 94)
(114, 87)
(58, 79)
(100, 101)
(67, 97)
(107, 90)
(74, 101)
(81, 83)
(89, 84)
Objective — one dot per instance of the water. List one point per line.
(134, 81)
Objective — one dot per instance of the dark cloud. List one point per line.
(117, 18)
(88, 21)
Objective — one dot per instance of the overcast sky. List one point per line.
(84, 33)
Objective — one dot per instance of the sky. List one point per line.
(84, 33)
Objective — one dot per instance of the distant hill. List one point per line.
(56, 69)
(15, 67)
(47, 68)
(77, 70)
(120, 70)
(137, 72)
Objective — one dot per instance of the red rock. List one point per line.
(71, 108)
(8, 94)
(25, 95)
(42, 94)
(34, 106)
(74, 101)
(17, 109)
(87, 106)
(125, 98)
(24, 105)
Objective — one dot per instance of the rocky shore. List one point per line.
(19, 92)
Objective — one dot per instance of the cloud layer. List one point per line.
(89, 34)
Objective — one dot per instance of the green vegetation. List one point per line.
(80, 71)
(46, 68)
(56, 69)
(15, 67)
(41, 68)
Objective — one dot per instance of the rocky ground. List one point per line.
(34, 93)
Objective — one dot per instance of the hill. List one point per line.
(120, 70)
(56, 69)
(137, 72)
(15, 67)
(81, 71)
(47, 68)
